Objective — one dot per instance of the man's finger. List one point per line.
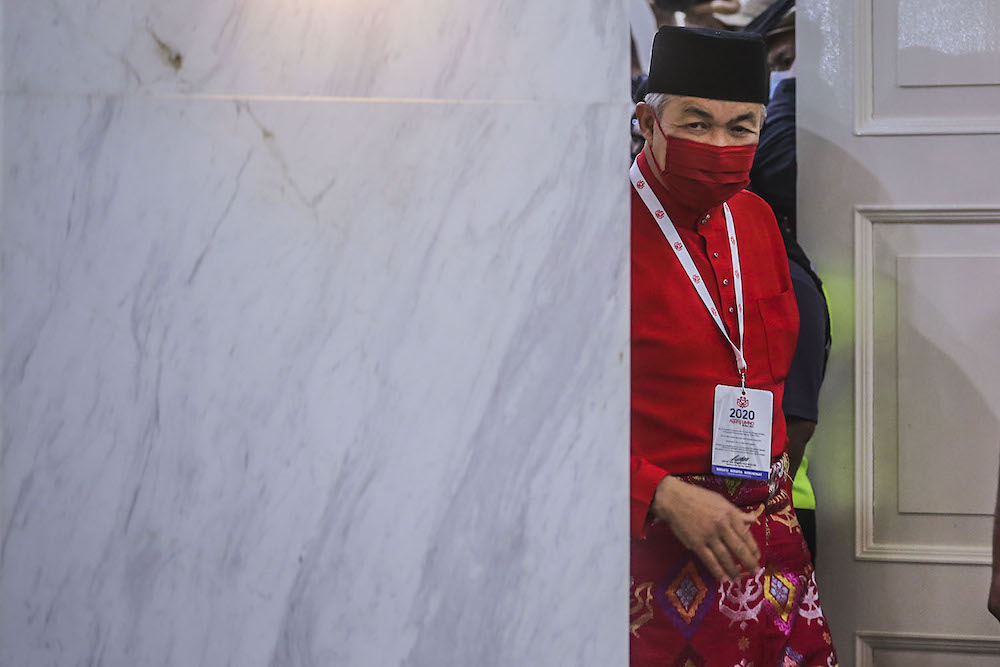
(745, 534)
(745, 550)
(708, 558)
(726, 6)
(725, 558)
(714, 7)
(700, 9)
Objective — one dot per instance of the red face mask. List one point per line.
(702, 176)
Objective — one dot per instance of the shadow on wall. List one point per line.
(825, 225)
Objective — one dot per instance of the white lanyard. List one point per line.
(670, 232)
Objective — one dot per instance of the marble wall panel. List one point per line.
(294, 383)
(519, 49)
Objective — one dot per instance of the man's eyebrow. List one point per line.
(743, 118)
(698, 111)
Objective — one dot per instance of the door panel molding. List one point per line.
(868, 641)
(866, 546)
(867, 123)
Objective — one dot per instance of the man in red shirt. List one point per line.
(720, 572)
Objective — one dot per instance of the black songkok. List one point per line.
(716, 64)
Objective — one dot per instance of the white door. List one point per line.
(899, 207)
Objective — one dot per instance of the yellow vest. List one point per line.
(802, 490)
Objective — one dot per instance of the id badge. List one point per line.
(741, 435)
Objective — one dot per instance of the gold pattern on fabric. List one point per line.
(744, 644)
(787, 517)
(643, 602)
(778, 501)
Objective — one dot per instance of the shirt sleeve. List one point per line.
(806, 374)
(645, 478)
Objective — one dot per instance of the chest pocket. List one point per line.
(780, 315)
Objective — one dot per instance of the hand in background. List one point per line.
(703, 13)
(714, 7)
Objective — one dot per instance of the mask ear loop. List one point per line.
(666, 140)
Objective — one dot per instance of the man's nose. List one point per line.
(719, 137)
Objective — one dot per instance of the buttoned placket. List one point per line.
(717, 247)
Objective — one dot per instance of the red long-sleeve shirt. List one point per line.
(678, 353)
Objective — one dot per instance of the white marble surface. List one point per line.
(292, 383)
(516, 49)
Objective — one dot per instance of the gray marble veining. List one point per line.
(517, 49)
(295, 380)
(265, 404)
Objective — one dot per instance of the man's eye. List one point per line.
(740, 130)
(697, 126)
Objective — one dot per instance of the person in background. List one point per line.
(773, 177)
(720, 571)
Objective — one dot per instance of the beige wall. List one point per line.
(899, 206)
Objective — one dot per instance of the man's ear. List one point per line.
(644, 114)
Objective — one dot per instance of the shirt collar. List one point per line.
(680, 215)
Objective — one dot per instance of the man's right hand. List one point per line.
(709, 525)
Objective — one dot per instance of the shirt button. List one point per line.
(730, 310)
(725, 281)
(715, 254)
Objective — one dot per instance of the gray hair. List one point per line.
(657, 101)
